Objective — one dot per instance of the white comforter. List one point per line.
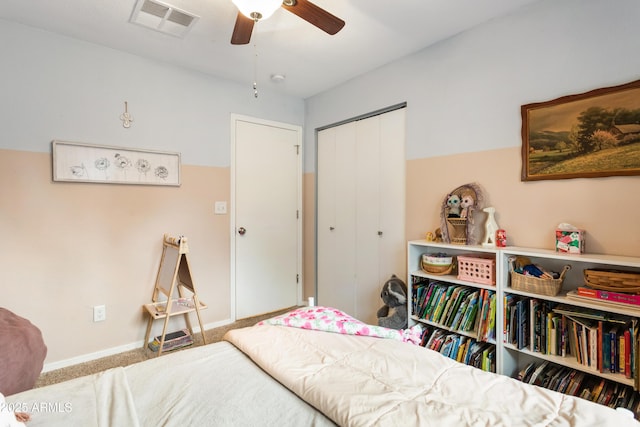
(368, 381)
(212, 385)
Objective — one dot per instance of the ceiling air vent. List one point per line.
(163, 17)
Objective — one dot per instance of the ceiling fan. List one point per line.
(251, 11)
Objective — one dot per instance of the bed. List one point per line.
(311, 367)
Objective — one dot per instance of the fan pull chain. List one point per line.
(255, 66)
(255, 75)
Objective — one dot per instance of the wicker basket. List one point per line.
(436, 269)
(535, 285)
(612, 280)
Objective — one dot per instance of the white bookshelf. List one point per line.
(509, 359)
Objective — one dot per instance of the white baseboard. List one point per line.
(115, 350)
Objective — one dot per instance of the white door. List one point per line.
(266, 216)
(381, 207)
(368, 177)
(336, 239)
(360, 212)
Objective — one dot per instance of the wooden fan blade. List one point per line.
(242, 30)
(315, 15)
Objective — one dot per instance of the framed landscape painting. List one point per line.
(593, 134)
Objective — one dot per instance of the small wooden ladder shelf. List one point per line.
(173, 274)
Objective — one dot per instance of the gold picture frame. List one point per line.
(592, 134)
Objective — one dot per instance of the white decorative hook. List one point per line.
(126, 117)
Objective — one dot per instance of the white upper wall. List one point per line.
(464, 94)
(56, 87)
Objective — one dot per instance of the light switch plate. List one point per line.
(221, 208)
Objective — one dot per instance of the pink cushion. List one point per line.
(22, 353)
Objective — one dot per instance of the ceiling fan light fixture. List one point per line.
(257, 9)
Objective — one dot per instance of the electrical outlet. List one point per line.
(99, 313)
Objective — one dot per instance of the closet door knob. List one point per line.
(331, 228)
(241, 231)
(380, 233)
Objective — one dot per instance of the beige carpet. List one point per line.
(140, 354)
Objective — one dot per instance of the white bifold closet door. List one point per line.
(360, 212)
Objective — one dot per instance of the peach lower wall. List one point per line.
(607, 208)
(70, 246)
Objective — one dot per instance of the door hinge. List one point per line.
(297, 149)
(297, 278)
(297, 214)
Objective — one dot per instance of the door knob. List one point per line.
(380, 233)
(331, 228)
(241, 231)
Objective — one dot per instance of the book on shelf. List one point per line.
(575, 383)
(450, 346)
(588, 313)
(172, 341)
(544, 378)
(468, 321)
(588, 333)
(454, 304)
(526, 372)
(445, 297)
(462, 308)
(486, 325)
(457, 307)
(479, 352)
(435, 340)
(596, 340)
(564, 382)
(554, 334)
(556, 380)
(482, 320)
(613, 349)
(427, 330)
(621, 352)
(452, 294)
(627, 353)
(535, 325)
(435, 290)
(461, 348)
(489, 359)
(434, 295)
(506, 314)
(536, 373)
(597, 390)
(510, 315)
(522, 324)
(605, 296)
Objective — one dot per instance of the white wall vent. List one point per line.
(163, 17)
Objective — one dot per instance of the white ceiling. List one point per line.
(376, 32)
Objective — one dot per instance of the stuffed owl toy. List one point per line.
(393, 314)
